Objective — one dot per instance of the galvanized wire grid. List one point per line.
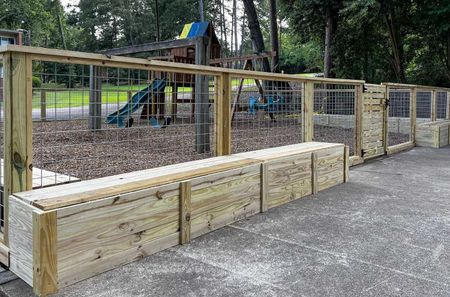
(155, 126)
(441, 105)
(334, 114)
(423, 106)
(399, 117)
(2, 179)
(265, 114)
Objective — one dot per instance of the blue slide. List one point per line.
(141, 97)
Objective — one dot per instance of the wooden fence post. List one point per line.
(95, 98)
(358, 121)
(447, 112)
(385, 120)
(202, 143)
(43, 105)
(413, 114)
(308, 111)
(17, 144)
(185, 212)
(433, 106)
(45, 270)
(223, 114)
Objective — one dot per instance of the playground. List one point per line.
(113, 157)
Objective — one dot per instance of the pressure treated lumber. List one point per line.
(373, 113)
(115, 185)
(156, 209)
(433, 134)
(18, 124)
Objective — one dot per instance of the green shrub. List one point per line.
(37, 83)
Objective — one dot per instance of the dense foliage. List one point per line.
(375, 40)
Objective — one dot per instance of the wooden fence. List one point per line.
(369, 117)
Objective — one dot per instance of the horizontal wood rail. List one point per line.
(72, 57)
(369, 120)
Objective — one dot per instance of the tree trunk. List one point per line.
(255, 32)
(396, 45)
(235, 27)
(274, 36)
(448, 55)
(327, 59)
(201, 10)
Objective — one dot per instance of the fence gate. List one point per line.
(399, 128)
(374, 98)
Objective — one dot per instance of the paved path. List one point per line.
(385, 233)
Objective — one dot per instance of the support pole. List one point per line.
(359, 121)
(18, 93)
(43, 105)
(433, 106)
(95, 98)
(202, 133)
(223, 115)
(413, 115)
(308, 112)
(385, 120)
(447, 112)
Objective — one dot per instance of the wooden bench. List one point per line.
(433, 134)
(72, 232)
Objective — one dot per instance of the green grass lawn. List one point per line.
(60, 97)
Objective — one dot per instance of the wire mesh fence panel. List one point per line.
(2, 129)
(423, 106)
(91, 122)
(441, 105)
(399, 116)
(265, 114)
(334, 114)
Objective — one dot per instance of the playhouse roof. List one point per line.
(197, 29)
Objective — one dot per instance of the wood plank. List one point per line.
(400, 148)
(45, 274)
(72, 57)
(21, 240)
(18, 125)
(447, 112)
(202, 131)
(223, 116)
(90, 190)
(314, 173)
(185, 212)
(289, 178)
(346, 163)
(43, 105)
(413, 111)
(4, 254)
(44, 178)
(286, 151)
(264, 186)
(98, 236)
(433, 106)
(407, 86)
(150, 47)
(95, 98)
(223, 198)
(358, 120)
(330, 168)
(308, 112)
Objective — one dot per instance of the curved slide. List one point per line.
(141, 97)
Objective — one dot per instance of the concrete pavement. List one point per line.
(385, 233)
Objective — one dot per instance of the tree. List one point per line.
(255, 32)
(317, 19)
(274, 36)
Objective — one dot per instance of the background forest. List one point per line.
(375, 40)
